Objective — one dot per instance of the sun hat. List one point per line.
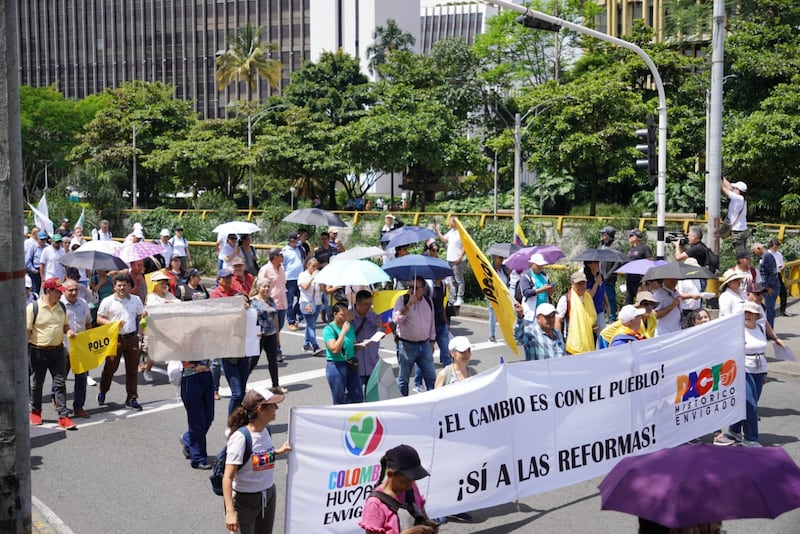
(729, 276)
(751, 307)
(645, 296)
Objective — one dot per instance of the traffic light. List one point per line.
(648, 148)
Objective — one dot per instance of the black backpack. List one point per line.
(408, 514)
(712, 260)
(518, 290)
(218, 469)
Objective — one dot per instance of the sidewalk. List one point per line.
(45, 521)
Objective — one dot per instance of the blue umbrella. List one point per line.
(407, 267)
(405, 235)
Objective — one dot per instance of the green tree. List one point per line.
(107, 142)
(387, 39)
(247, 60)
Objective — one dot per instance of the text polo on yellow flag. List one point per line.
(89, 349)
(492, 286)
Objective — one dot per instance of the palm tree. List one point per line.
(386, 39)
(247, 59)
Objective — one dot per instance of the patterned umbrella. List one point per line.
(101, 245)
(518, 261)
(137, 251)
(639, 266)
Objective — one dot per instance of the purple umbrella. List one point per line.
(137, 251)
(696, 484)
(640, 266)
(518, 261)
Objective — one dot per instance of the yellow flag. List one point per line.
(88, 349)
(492, 286)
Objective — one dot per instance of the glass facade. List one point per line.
(85, 46)
(445, 21)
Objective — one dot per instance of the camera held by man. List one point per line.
(677, 237)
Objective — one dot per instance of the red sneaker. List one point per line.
(66, 423)
(36, 417)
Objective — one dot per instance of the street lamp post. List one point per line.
(518, 131)
(135, 184)
(292, 189)
(538, 20)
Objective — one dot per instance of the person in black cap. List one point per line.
(400, 469)
(638, 251)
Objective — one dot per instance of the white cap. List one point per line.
(741, 186)
(138, 226)
(459, 344)
(538, 259)
(545, 308)
(629, 312)
(164, 232)
(138, 233)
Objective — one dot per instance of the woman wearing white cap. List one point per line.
(461, 352)
(737, 213)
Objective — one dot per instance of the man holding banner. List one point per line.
(80, 320)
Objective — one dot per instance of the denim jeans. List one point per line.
(216, 372)
(611, 294)
(79, 389)
(292, 295)
(492, 321)
(42, 361)
(344, 382)
(197, 394)
(443, 341)
(409, 354)
(755, 382)
(236, 371)
(769, 303)
(311, 326)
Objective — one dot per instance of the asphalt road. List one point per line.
(123, 471)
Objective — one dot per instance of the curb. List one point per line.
(45, 521)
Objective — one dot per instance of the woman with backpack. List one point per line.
(396, 506)
(248, 484)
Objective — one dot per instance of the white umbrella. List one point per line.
(101, 245)
(351, 273)
(236, 227)
(359, 253)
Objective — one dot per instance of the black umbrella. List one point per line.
(601, 254)
(93, 260)
(678, 270)
(503, 250)
(315, 217)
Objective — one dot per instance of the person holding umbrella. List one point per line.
(668, 309)
(416, 334)
(607, 269)
(637, 251)
(535, 287)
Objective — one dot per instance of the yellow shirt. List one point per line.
(50, 322)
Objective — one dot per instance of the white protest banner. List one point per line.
(197, 330)
(519, 429)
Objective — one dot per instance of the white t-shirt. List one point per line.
(689, 287)
(258, 473)
(179, 246)
(455, 249)
(671, 322)
(730, 302)
(52, 267)
(755, 342)
(312, 294)
(737, 212)
(115, 309)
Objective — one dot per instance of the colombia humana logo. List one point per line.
(363, 433)
(705, 392)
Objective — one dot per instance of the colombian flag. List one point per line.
(519, 236)
(383, 304)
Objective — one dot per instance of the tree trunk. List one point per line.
(15, 465)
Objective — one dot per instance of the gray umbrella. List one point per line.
(315, 217)
(503, 250)
(678, 270)
(601, 254)
(92, 260)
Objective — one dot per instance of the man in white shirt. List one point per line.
(668, 309)
(49, 264)
(80, 320)
(737, 213)
(455, 257)
(103, 233)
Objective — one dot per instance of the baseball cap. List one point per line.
(390, 216)
(237, 261)
(333, 230)
(224, 273)
(53, 283)
(257, 396)
(179, 227)
(545, 308)
(751, 307)
(741, 186)
(638, 233)
(293, 235)
(164, 232)
(608, 230)
(138, 233)
(460, 344)
(64, 220)
(43, 235)
(644, 296)
(629, 312)
(159, 277)
(57, 238)
(405, 460)
(538, 259)
(193, 272)
(577, 276)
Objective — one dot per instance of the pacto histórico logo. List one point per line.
(704, 392)
(363, 434)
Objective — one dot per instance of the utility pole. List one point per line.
(714, 136)
(15, 456)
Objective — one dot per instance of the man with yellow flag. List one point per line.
(80, 319)
(492, 285)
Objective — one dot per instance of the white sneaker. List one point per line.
(459, 301)
(148, 376)
(90, 381)
(747, 443)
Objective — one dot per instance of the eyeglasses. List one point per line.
(416, 288)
